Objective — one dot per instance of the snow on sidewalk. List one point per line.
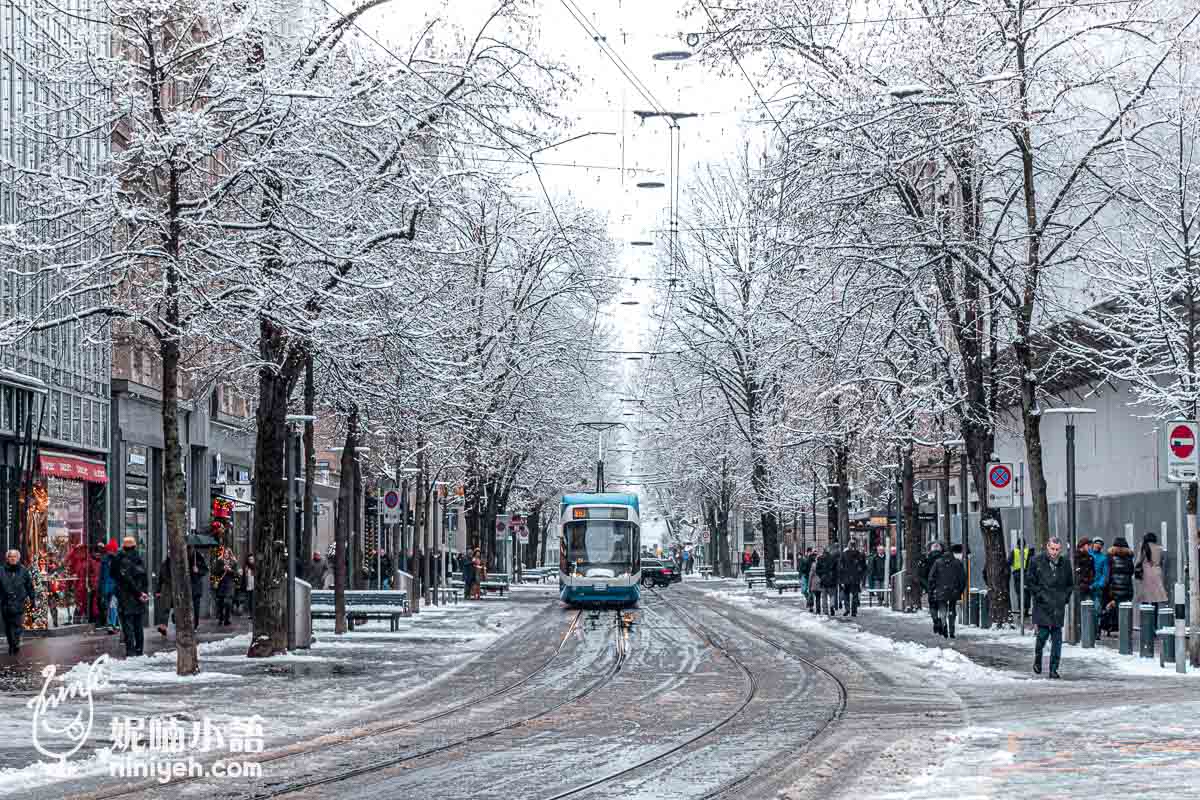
(331, 685)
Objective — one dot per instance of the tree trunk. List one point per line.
(944, 492)
(842, 465)
(310, 466)
(345, 520)
(1037, 472)
(276, 377)
(186, 656)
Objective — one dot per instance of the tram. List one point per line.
(599, 548)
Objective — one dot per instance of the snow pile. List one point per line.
(16, 781)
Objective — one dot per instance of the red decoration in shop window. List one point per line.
(222, 509)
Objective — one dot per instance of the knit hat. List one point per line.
(111, 547)
(1097, 540)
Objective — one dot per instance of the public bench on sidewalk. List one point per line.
(755, 575)
(362, 605)
(494, 582)
(706, 571)
(786, 581)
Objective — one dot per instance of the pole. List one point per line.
(1021, 546)
(1074, 609)
(379, 538)
(290, 473)
(963, 513)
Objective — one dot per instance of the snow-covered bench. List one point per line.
(755, 575)
(362, 605)
(786, 581)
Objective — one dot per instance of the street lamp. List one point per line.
(1070, 413)
(600, 426)
(963, 515)
(290, 473)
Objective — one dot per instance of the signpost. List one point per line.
(1181, 458)
(391, 507)
(1181, 451)
(1000, 485)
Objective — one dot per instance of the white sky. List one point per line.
(605, 101)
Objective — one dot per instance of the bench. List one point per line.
(705, 571)
(361, 605)
(876, 593)
(787, 581)
(494, 582)
(755, 575)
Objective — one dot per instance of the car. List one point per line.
(656, 572)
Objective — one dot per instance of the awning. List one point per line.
(76, 468)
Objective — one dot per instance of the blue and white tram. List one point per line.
(600, 548)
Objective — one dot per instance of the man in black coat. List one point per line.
(16, 586)
(852, 568)
(827, 571)
(947, 581)
(197, 570)
(924, 567)
(1050, 581)
(133, 586)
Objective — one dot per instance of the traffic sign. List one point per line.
(391, 506)
(1181, 451)
(1000, 484)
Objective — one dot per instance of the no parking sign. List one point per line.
(1000, 484)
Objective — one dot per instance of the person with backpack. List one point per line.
(133, 586)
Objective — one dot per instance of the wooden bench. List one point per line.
(786, 581)
(361, 605)
(755, 575)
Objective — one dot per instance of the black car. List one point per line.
(658, 573)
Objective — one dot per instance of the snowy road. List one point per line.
(704, 691)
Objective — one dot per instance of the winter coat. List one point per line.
(1120, 583)
(107, 585)
(468, 573)
(1050, 583)
(925, 566)
(852, 567)
(947, 579)
(132, 580)
(228, 578)
(197, 562)
(1100, 568)
(804, 565)
(16, 586)
(827, 570)
(754, 558)
(1085, 573)
(876, 565)
(1152, 588)
(814, 575)
(315, 573)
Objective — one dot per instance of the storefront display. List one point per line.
(66, 571)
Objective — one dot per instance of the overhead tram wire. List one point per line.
(738, 61)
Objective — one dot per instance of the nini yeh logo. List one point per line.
(57, 733)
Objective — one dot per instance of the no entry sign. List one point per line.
(1181, 451)
(1000, 485)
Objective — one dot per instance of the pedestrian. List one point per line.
(1021, 557)
(876, 569)
(16, 589)
(852, 568)
(1151, 588)
(226, 570)
(947, 582)
(803, 565)
(132, 592)
(197, 569)
(755, 559)
(1050, 583)
(1085, 568)
(478, 572)
(897, 560)
(248, 577)
(163, 597)
(1100, 568)
(386, 568)
(468, 578)
(108, 588)
(1120, 583)
(827, 571)
(814, 581)
(924, 567)
(747, 561)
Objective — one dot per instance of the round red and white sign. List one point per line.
(999, 476)
(1182, 441)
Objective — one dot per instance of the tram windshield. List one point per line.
(603, 543)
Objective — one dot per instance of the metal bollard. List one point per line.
(1125, 628)
(1181, 648)
(973, 610)
(985, 610)
(1166, 621)
(964, 612)
(1146, 626)
(1087, 618)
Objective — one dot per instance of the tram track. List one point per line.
(329, 743)
(620, 651)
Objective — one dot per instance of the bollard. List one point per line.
(973, 611)
(1146, 625)
(1125, 626)
(963, 611)
(1166, 621)
(1181, 654)
(985, 610)
(1087, 618)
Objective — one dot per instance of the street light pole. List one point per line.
(1073, 628)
